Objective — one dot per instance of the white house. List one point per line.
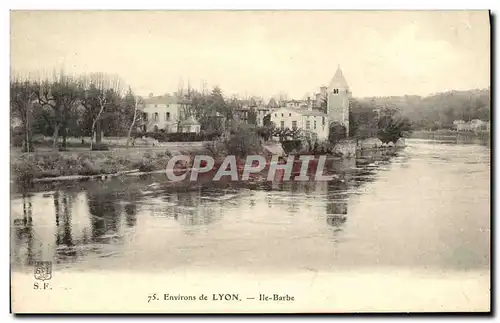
(312, 122)
(162, 113)
(190, 125)
(473, 125)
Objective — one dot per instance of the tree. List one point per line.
(266, 131)
(132, 100)
(336, 132)
(98, 92)
(243, 141)
(59, 97)
(252, 116)
(362, 120)
(218, 104)
(22, 99)
(391, 126)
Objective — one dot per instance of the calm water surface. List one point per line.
(425, 207)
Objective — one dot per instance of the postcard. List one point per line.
(250, 161)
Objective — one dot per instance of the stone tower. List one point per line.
(338, 100)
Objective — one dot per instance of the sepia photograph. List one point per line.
(276, 162)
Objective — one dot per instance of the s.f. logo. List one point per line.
(43, 270)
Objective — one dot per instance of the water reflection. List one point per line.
(336, 208)
(269, 222)
(23, 231)
(86, 221)
(131, 214)
(105, 217)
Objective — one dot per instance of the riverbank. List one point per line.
(79, 165)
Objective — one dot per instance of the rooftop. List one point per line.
(338, 80)
(161, 99)
(305, 112)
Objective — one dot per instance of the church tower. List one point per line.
(338, 100)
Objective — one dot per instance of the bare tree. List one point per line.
(22, 98)
(60, 95)
(96, 94)
(136, 118)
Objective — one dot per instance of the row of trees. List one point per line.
(212, 110)
(64, 106)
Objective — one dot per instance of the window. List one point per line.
(314, 124)
(167, 116)
(282, 124)
(156, 105)
(308, 124)
(335, 91)
(323, 121)
(145, 116)
(155, 116)
(282, 115)
(289, 114)
(276, 115)
(294, 125)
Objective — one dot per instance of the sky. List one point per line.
(263, 53)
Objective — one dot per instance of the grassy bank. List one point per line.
(27, 167)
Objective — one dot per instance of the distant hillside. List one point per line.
(437, 110)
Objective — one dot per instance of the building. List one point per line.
(320, 96)
(339, 96)
(162, 113)
(306, 115)
(313, 123)
(264, 109)
(473, 125)
(190, 125)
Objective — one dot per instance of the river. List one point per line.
(422, 209)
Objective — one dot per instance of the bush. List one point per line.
(215, 148)
(291, 145)
(151, 162)
(24, 171)
(181, 136)
(87, 167)
(243, 142)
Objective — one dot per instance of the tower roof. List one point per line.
(338, 80)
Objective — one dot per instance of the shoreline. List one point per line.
(138, 172)
(46, 166)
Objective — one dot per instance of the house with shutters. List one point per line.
(313, 123)
(163, 113)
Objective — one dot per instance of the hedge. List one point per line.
(180, 136)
